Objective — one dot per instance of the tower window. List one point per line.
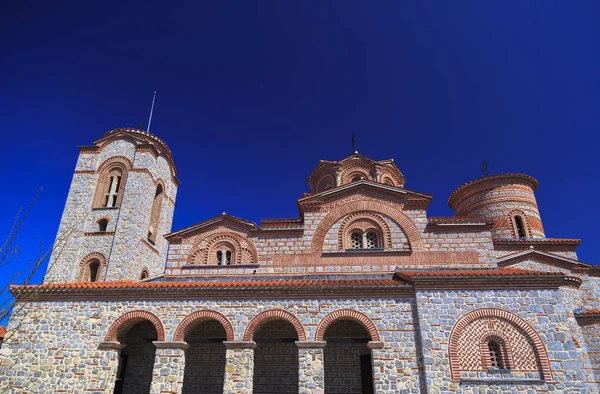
(94, 268)
(228, 257)
(144, 274)
(495, 356)
(113, 191)
(155, 213)
(102, 224)
(220, 257)
(520, 227)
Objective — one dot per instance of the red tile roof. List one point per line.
(221, 284)
(456, 219)
(474, 273)
(589, 312)
(536, 241)
(280, 223)
(529, 178)
(2, 332)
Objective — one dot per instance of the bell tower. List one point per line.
(120, 203)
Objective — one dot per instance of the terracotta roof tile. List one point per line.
(536, 241)
(588, 312)
(473, 273)
(2, 332)
(526, 177)
(456, 219)
(280, 223)
(223, 284)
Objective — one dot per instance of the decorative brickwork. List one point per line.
(206, 250)
(112, 172)
(271, 315)
(524, 347)
(191, 320)
(130, 319)
(346, 314)
(364, 221)
(92, 265)
(412, 232)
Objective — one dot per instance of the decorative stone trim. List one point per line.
(110, 345)
(270, 315)
(482, 313)
(86, 172)
(190, 321)
(311, 344)
(99, 234)
(346, 314)
(375, 345)
(171, 345)
(129, 319)
(212, 267)
(240, 344)
(410, 229)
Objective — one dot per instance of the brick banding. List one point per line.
(130, 319)
(347, 314)
(190, 321)
(410, 229)
(270, 315)
(522, 326)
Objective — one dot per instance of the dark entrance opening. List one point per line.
(348, 362)
(136, 361)
(205, 358)
(276, 358)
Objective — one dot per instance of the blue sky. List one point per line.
(252, 95)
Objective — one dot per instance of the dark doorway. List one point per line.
(136, 361)
(205, 358)
(348, 363)
(276, 358)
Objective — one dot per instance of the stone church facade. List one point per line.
(362, 293)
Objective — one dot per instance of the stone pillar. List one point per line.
(311, 370)
(169, 366)
(110, 365)
(239, 367)
(338, 179)
(380, 380)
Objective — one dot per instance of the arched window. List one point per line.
(520, 227)
(111, 182)
(144, 274)
(364, 240)
(155, 213)
(224, 257)
(91, 269)
(495, 357)
(102, 224)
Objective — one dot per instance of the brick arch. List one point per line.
(523, 326)
(344, 232)
(130, 319)
(189, 321)
(346, 314)
(410, 229)
(84, 269)
(270, 315)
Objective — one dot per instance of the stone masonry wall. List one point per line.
(545, 310)
(56, 346)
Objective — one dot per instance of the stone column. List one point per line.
(169, 366)
(380, 380)
(110, 365)
(239, 367)
(311, 370)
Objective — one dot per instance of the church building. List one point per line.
(363, 292)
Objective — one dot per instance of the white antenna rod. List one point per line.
(151, 110)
